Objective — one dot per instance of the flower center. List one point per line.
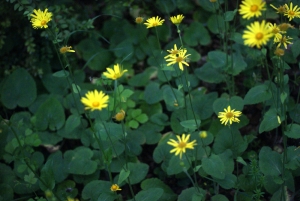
(154, 24)
(43, 22)
(182, 145)
(292, 13)
(96, 104)
(253, 8)
(179, 59)
(259, 36)
(229, 115)
(114, 187)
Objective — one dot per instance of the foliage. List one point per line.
(175, 77)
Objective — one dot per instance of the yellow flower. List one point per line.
(40, 18)
(280, 9)
(251, 8)
(65, 49)
(275, 30)
(181, 145)
(283, 40)
(115, 187)
(154, 22)
(203, 134)
(178, 58)
(139, 20)
(95, 100)
(258, 34)
(176, 19)
(173, 52)
(115, 73)
(120, 115)
(229, 115)
(291, 11)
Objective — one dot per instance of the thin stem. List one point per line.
(26, 160)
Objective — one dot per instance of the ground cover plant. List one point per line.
(153, 100)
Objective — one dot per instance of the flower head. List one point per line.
(176, 19)
(252, 8)
(173, 52)
(181, 145)
(65, 49)
(40, 18)
(280, 9)
(179, 58)
(115, 187)
(154, 22)
(285, 26)
(258, 34)
(203, 134)
(71, 199)
(283, 40)
(229, 115)
(120, 115)
(279, 52)
(115, 73)
(139, 20)
(95, 100)
(291, 11)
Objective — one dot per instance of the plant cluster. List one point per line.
(150, 103)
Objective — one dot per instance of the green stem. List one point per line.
(26, 159)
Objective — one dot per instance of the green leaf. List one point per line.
(72, 122)
(209, 74)
(172, 97)
(216, 24)
(217, 59)
(188, 194)
(292, 131)
(270, 162)
(177, 165)
(219, 197)
(50, 114)
(196, 34)
(13, 92)
(156, 183)
(293, 154)
(79, 161)
(295, 113)
(143, 78)
(30, 178)
(76, 89)
(138, 172)
(229, 15)
(6, 192)
(191, 124)
(214, 166)
(229, 138)
(93, 189)
(124, 174)
(152, 93)
(61, 73)
(235, 102)
(258, 94)
(269, 121)
(152, 194)
(241, 160)
(228, 182)
(97, 58)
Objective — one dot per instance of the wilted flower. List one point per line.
(115, 187)
(115, 73)
(65, 49)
